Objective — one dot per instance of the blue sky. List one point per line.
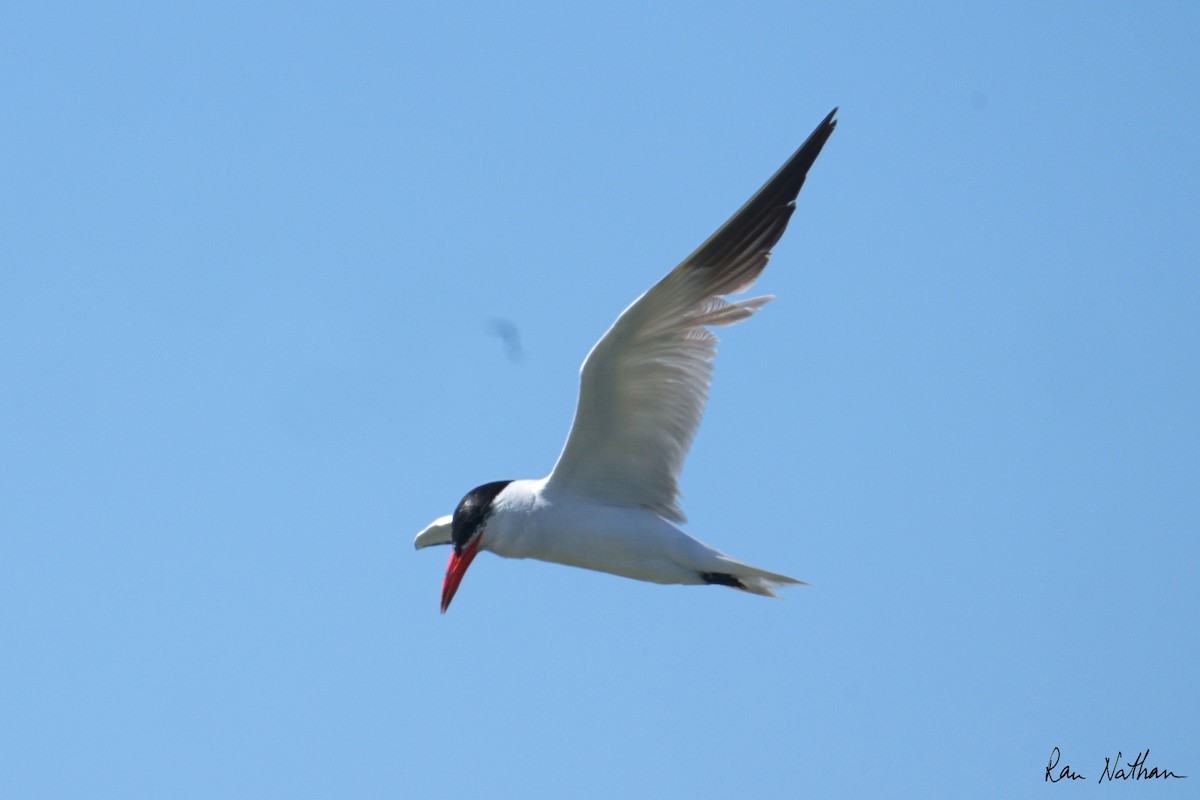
(251, 256)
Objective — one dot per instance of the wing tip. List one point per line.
(437, 532)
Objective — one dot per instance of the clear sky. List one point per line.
(253, 256)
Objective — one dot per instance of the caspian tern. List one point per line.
(610, 501)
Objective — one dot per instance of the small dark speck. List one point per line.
(979, 100)
(509, 335)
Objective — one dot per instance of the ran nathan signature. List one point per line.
(1135, 770)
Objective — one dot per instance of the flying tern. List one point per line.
(611, 502)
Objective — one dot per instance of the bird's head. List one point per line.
(466, 534)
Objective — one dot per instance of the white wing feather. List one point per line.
(643, 386)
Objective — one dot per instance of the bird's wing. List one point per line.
(644, 384)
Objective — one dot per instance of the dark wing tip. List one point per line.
(760, 223)
(722, 579)
(797, 167)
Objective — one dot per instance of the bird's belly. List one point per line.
(618, 555)
(631, 543)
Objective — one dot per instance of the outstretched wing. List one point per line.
(644, 385)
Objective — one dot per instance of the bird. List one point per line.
(611, 502)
